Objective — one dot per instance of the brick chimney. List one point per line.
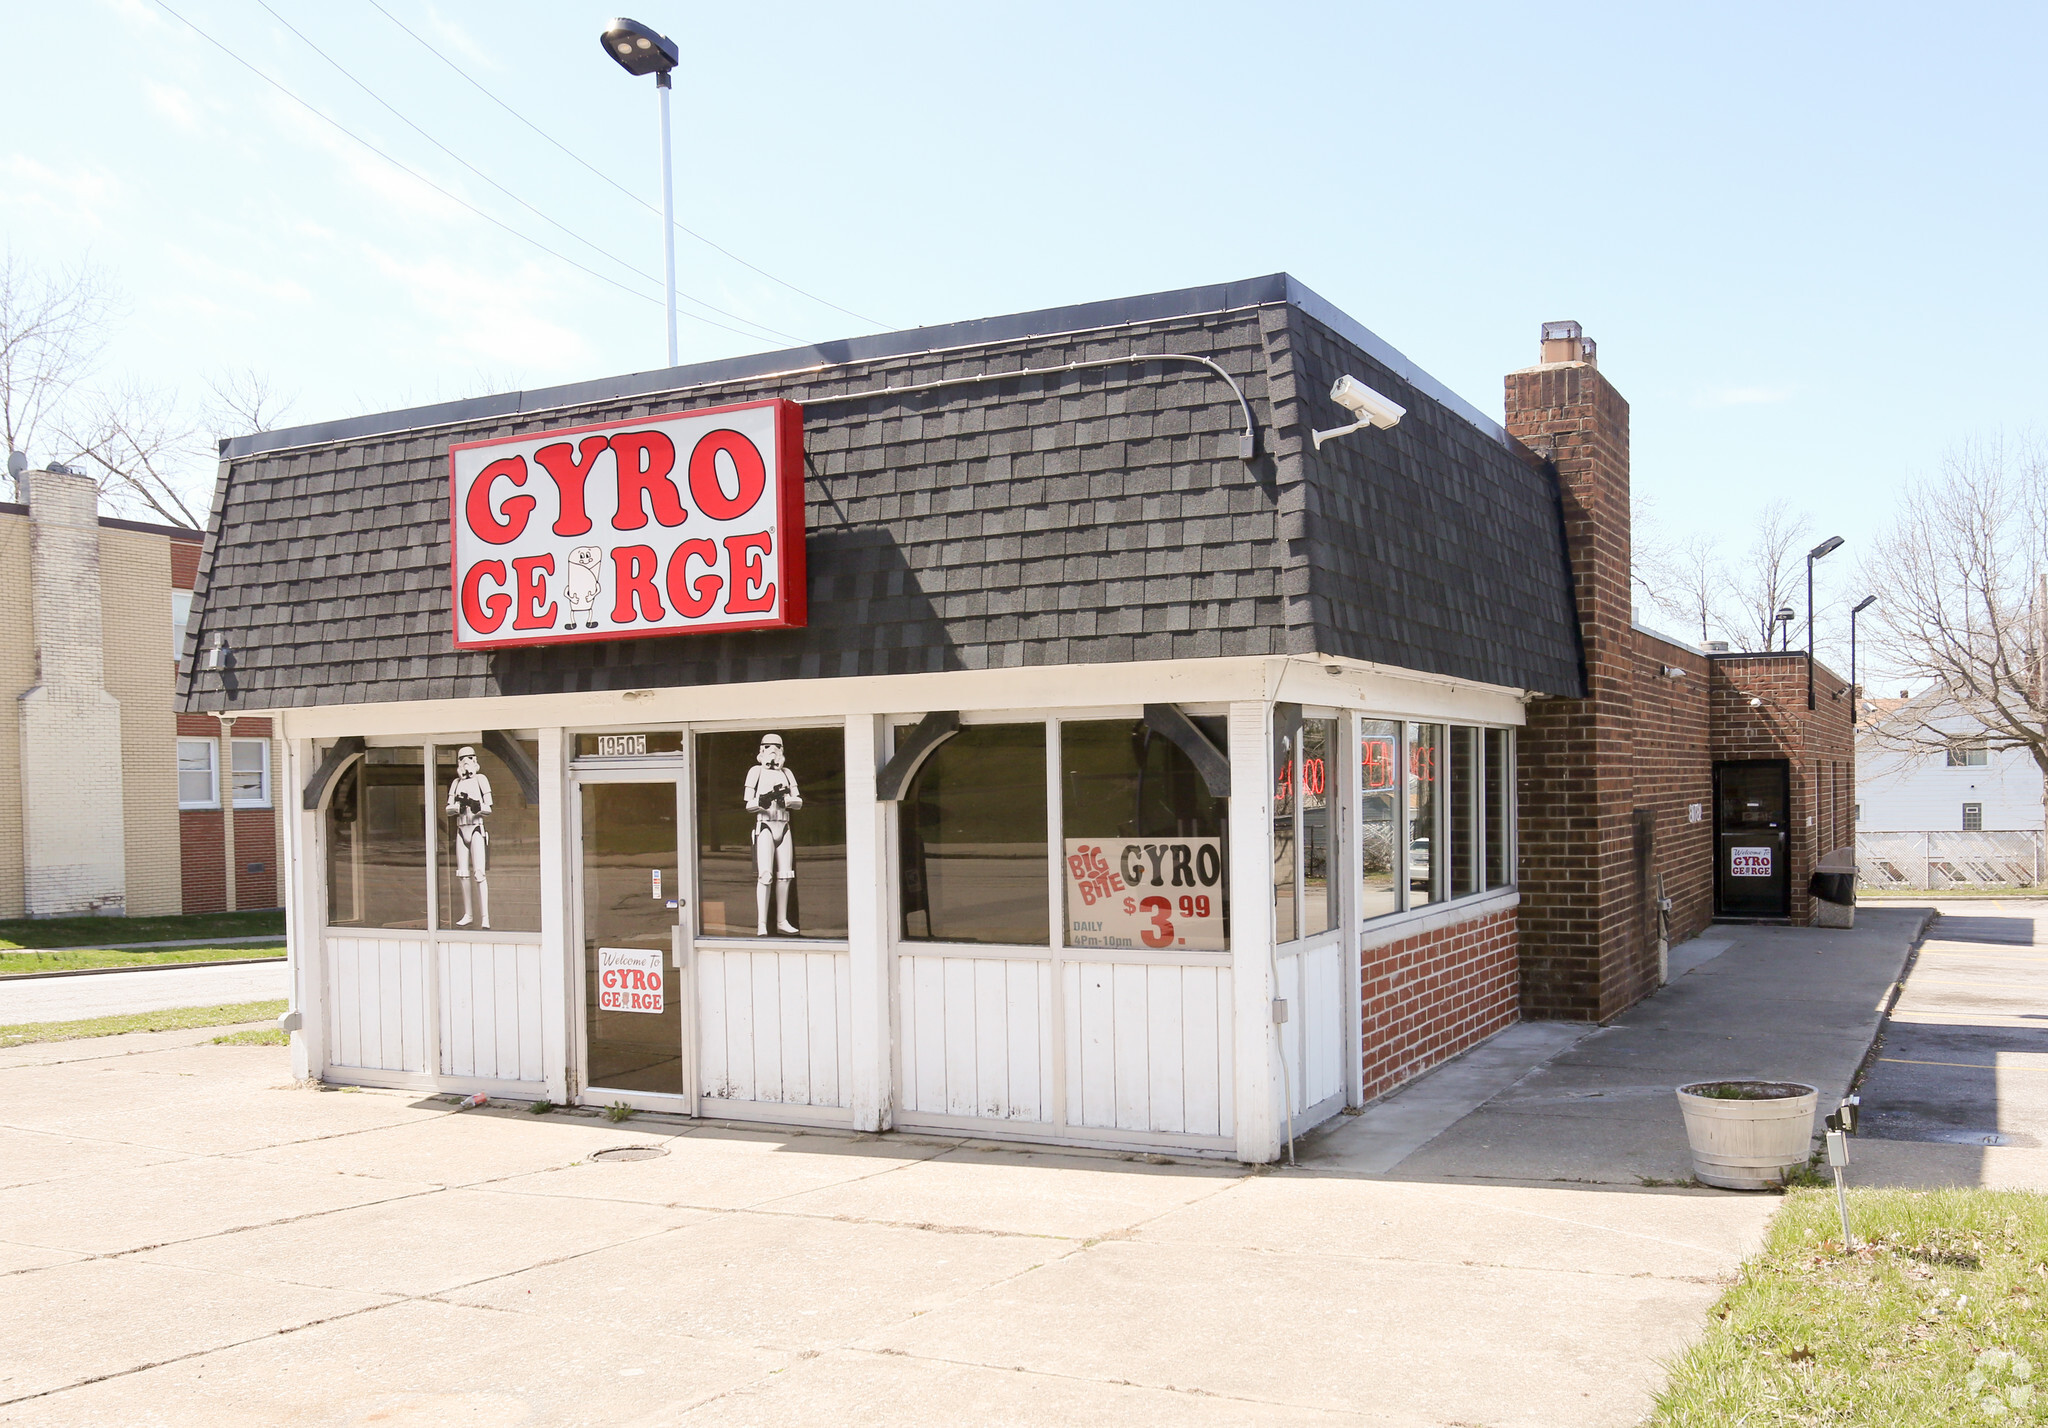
(74, 857)
(1584, 954)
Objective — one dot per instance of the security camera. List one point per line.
(1366, 404)
(1363, 402)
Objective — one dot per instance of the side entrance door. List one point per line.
(638, 1020)
(1752, 825)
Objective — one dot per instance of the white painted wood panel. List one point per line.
(976, 1037)
(491, 1017)
(1322, 1056)
(376, 998)
(1149, 1048)
(772, 1026)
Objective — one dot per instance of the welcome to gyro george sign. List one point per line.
(657, 526)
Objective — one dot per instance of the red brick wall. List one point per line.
(1583, 952)
(200, 833)
(1673, 772)
(184, 563)
(1819, 747)
(1428, 997)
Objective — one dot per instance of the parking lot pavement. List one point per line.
(197, 1241)
(1955, 1094)
(116, 993)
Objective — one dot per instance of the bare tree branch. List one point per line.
(53, 326)
(142, 452)
(1764, 580)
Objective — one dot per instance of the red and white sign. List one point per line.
(629, 980)
(1145, 892)
(659, 526)
(1749, 862)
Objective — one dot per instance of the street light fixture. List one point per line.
(1825, 548)
(1784, 620)
(639, 50)
(1864, 604)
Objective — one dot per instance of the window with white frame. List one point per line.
(252, 773)
(1968, 756)
(198, 786)
(1437, 800)
(181, 611)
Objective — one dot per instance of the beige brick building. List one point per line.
(90, 807)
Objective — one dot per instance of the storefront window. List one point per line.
(1143, 841)
(973, 839)
(488, 878)
(1463, 795)
(1379, 751)
(771, 833)
(1500, 795)
(1286, 905)
(376, 842)
(1318, 737)
(1426, 880)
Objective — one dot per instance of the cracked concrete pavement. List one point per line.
(189, 1239)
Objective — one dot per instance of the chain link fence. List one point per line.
(1932, 862)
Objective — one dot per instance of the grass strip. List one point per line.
(1939, 1317)
(99, 931)
(172, 1019)
(256, 1036)
(82, 959)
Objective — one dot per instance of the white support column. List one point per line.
(1257, 1058)
(1350, 871)
(867, 926)
(557, 937)
(305, 914)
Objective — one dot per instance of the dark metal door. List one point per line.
(1752, 824)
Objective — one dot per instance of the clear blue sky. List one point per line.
(1807, 238)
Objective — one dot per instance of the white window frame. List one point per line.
(1969, 756)
(213, 769)
(263, 799)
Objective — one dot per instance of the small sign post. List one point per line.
(1840, 1124)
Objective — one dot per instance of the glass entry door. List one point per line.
(1752, 823)
(635, 988)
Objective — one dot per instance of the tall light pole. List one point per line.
(640, 50)
(1825, 548)
(1864, 604)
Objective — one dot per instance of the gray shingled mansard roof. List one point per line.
(1084, 517)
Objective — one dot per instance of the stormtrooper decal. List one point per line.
(469, 799)
(583, 585)
(771, 796)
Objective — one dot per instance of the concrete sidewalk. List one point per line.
(195, 1241)
(1551, 1102)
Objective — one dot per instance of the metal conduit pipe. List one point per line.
(1247, 441)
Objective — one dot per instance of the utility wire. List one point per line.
(452, 198)
(538, 213)
(470, 80)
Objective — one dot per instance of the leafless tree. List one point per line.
(53, 327)
(1692, 586)
(145, 455)
(1767, 576)
(1961, 605)
(244, 400)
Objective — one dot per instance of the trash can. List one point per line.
(1833, 886)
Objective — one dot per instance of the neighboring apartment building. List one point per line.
(104, 807)
(1966, 788)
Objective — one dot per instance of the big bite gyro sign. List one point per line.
(658, 526)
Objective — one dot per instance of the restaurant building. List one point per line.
(1023, 728)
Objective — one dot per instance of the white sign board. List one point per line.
(1145, 893)
(630, 980)
(659, 526)
(1749, 862)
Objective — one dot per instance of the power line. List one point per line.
(543, 216)
(472, 82)
(414, 173)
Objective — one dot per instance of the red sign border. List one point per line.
(790, 569)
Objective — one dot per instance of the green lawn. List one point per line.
(99, 931)
(1940, 1317)
(77, 959)
(176, 1019)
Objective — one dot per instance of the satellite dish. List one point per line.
(17, 462)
